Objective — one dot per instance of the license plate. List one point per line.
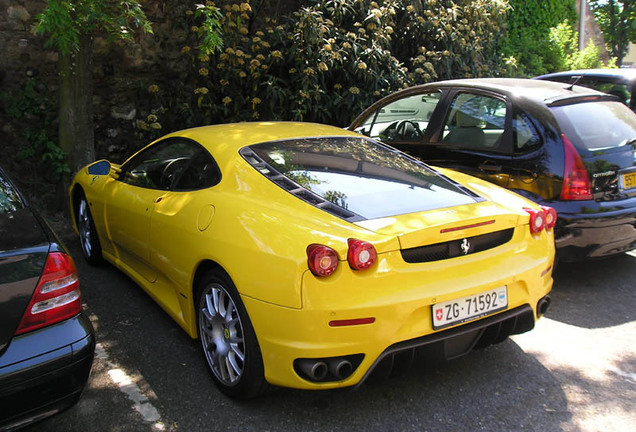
(628, 181)
(469, 308)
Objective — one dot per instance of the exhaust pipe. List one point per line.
(314, 369)
(543, 304)
(340, 368)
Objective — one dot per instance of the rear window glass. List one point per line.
(355, 178)
(596, 125)
(10, 201)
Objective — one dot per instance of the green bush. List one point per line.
(445, 39)
(328, 60)
(527, 43)
(37, 147)
(565, 41)
(318, 64)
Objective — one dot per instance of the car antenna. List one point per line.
(575, 82)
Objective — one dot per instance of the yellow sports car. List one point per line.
(304, 255)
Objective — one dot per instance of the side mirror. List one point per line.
(101, 167)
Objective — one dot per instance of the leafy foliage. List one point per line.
(617, 19)
(446, 39)
(70, 25)
(64, 21)
(527, 42)
(565, 41)
(210, 29)
(327, 60)
(34, 113)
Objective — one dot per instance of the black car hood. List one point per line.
(24, 245)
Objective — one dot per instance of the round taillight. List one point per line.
(537, 219)
(361, 254)
(322, 260)
(550, 217)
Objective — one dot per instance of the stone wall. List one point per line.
(122, 73)
(23, 54)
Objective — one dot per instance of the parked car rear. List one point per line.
(46, 342)
(618, 82)
(568, 147)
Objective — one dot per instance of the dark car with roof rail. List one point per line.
(568, 147)
(618, 82)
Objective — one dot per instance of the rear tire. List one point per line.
(91, 248)
(228, 341)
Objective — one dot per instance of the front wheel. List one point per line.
(89, 241)
(228, 340)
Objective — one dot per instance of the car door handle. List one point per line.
(489, 167)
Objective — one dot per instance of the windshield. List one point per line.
(359, 176)
(597, 125)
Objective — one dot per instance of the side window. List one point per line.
(525, 136)
(174, 164)
(405, 119)
(475, 122)
(10, 201)
(202, 172)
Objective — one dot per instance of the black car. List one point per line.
(568, 147)
(617, 82)
(46, 343)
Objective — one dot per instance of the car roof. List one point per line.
(623, 75)
(544, 92)
(229, 138)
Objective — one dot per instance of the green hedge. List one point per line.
(327, 60)
(527, 42)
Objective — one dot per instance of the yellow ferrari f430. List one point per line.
(303, 255)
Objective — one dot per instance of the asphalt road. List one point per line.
(576, 371)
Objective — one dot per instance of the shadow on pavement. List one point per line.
(596, 293)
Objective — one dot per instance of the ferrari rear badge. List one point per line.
(465, 246)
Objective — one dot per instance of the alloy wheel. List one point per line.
(84, 226)
(221, 334)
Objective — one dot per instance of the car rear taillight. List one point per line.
(361, 254)
(576, 181)
(537, 219)
(57, 296)
(322, 260)
(543, 218)
(550, 217)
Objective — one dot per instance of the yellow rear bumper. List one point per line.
(398, 296)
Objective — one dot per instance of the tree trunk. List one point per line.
(76, 134)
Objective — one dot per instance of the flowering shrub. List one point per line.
(445, 39)
(328, 60)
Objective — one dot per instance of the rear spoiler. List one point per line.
(574, 99)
